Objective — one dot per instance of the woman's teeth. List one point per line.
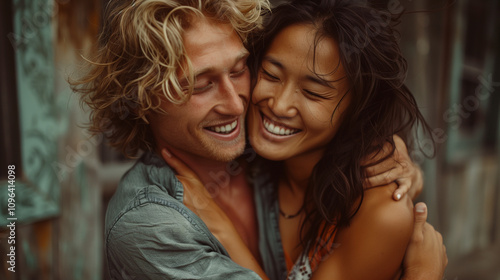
(278, 130)
(228, 128)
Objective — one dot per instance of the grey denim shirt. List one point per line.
(267, 208)
(150, 234)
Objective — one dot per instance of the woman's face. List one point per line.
(297, 91)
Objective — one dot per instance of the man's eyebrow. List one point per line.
(242, 55)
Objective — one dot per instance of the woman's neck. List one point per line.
(298, 170)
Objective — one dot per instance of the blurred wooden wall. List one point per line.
(453, 52)
(63, 180)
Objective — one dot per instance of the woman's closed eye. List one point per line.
(315, 94)
(269, 76)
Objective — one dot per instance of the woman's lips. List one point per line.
(276, 128)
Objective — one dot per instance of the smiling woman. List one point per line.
(299, 98)
(329, 91)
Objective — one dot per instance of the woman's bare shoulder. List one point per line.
(379, 206)
(375, 240)
(380, 221)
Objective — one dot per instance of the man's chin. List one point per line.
(225, 151)
(227, 154)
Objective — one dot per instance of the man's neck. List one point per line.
(227, 184)
(216, 176)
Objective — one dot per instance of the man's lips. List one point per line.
(277, 128)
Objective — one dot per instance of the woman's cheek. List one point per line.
(262, 90)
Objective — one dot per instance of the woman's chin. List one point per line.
(268, 152)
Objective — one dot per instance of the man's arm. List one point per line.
(154, 241)
(397, 168)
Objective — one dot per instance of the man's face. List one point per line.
(211, 124)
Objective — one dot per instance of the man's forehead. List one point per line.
(203, 29)
(209, 43)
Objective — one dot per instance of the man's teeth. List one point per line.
(228, 128)
(278, 130)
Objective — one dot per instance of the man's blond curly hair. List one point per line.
(140, 53)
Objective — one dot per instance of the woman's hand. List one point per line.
(198, 199)
(398, 168)
(426, 254)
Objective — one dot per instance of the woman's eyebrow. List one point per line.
(273, 61)
(322, 82)
(314, 79)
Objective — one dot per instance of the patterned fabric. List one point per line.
(276, 262)
(306, 264)
(301, 270)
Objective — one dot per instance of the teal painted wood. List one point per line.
(39, 108)
(30, 204)
(466, 103)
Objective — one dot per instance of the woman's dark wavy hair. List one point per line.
(381, 105)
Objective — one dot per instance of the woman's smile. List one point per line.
(297, 101)
(277, 128)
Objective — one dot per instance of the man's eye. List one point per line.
(199, 89)
(269, 76)
(239, 73)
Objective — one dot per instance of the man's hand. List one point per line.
(398, 168)
(426, 254)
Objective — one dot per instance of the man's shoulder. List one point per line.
(137, 203)
(160, 236)
(151, 209)
(150, 212)
(150, 169)
(145, 183)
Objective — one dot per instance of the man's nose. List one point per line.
(231, 102)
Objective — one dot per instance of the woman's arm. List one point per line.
(374, 245)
